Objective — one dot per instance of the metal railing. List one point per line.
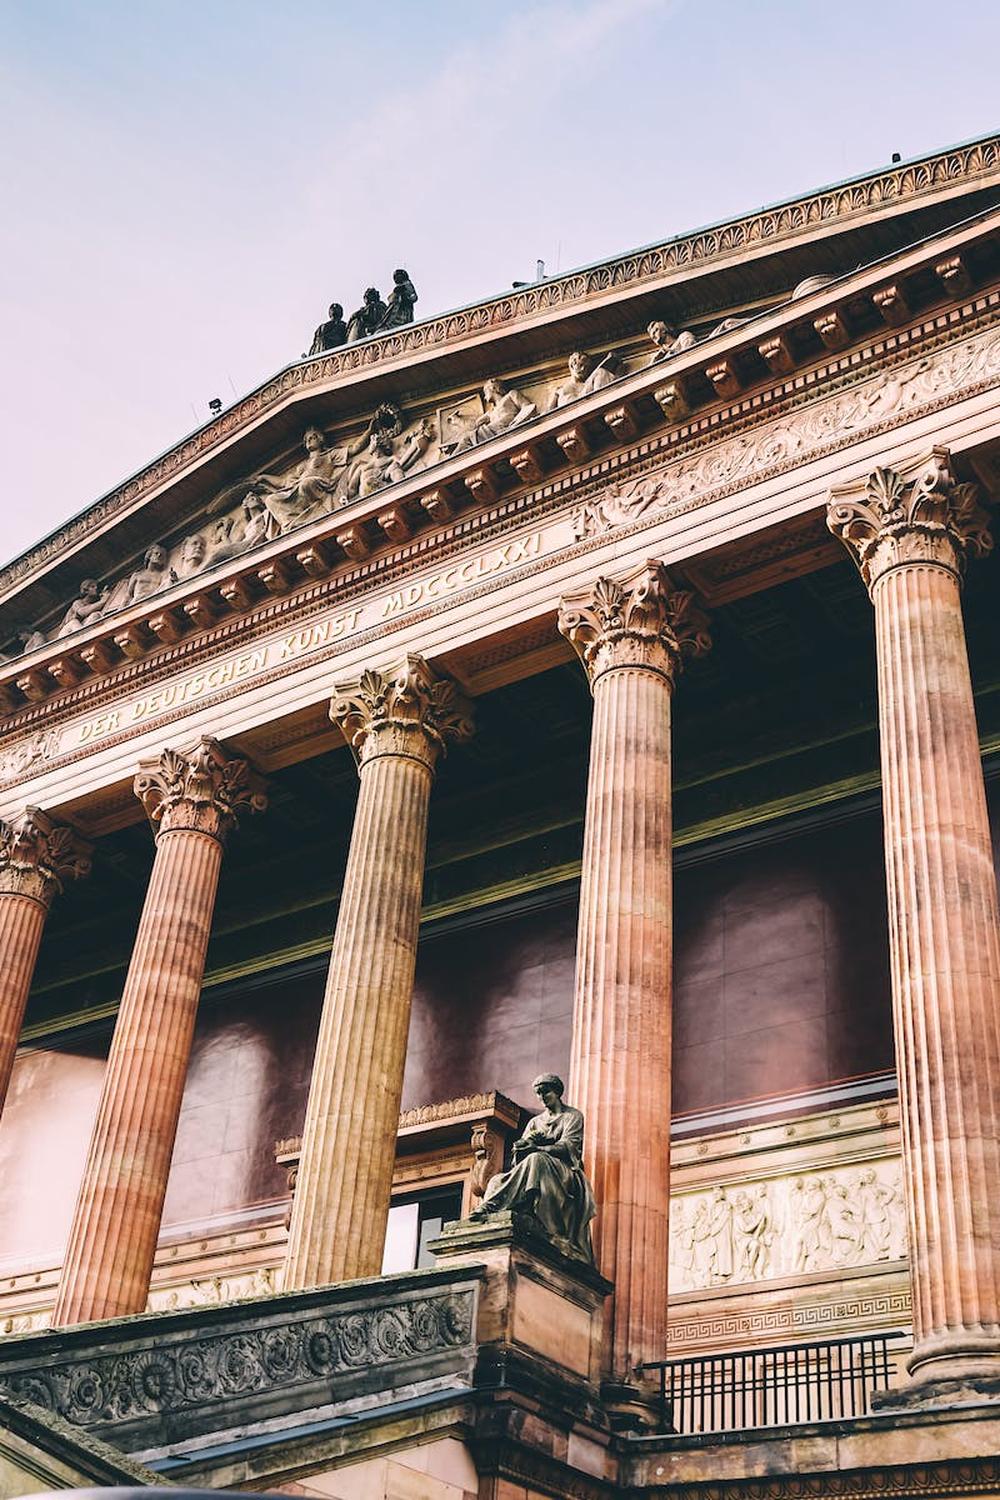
(780, 1386)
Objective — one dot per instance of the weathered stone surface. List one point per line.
(194, 799)
(171, 1376)
(630, 635)
(910, 532)
(397, 724)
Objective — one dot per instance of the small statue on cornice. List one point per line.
(331, 334)
(585, 377)
(368, 318)
(154, 575)
(402, 300)
(87, 607)
(503, 410)
(667, 340)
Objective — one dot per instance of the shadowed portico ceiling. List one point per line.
(779, 715)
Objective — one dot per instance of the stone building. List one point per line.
(343, 752)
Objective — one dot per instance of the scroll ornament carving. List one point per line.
(37, 856)
(180, 1376)
(202, 790)
(637, 621)
(407, 711)
(487, 1154)
(922, 515)
(789, 1227)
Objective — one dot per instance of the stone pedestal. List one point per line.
(36, 856)
(194, 800)
(630, 635)
(538, 1309)
(397, 724)
(910, 533)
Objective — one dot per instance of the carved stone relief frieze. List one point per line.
(786, 1227)
(263, 506)
(769, 448)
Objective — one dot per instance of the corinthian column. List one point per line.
(36, 856)
(192, 800)
(397, 724)
(630, 635)
(910, 534)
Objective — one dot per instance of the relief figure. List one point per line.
(585, 377)
(87, 607)
(154, 575)
(667, 341)
(503, 410)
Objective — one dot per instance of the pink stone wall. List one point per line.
(781, 984)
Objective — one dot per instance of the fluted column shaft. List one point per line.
(36, 856)
(630, 635)
(397, 724)
(911, 536)
(117, 1220)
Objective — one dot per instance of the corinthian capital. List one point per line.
(37, 856)
(917, 514)
(203, 790)
(637, 621)
(408, 710)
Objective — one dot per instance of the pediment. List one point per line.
(345, 430)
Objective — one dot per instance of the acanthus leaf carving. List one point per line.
(921, 514)
(640, 620)
(203, 790)
(38, 855)
(408, 710)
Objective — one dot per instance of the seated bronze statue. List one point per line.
(546, 1181)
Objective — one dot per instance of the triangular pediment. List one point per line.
(330, 434)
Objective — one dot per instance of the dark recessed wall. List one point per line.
(781, 985)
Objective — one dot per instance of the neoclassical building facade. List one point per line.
(602, 680)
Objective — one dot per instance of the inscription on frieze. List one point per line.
(26, 756)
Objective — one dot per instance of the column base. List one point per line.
(949, 1372)
(635, 1408)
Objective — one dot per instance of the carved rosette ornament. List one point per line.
(406, 711)
(920, 515)
(640, 620)
(202, 790)
(37, 856)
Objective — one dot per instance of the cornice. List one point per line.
(702, 434)
(818, 212)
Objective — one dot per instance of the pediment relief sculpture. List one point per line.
(263, 506)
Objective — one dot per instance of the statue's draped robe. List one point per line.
(549, 1183)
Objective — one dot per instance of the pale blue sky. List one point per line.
(186, 184)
